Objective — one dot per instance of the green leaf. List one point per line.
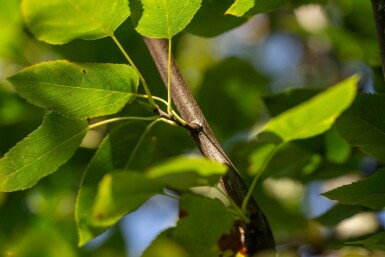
(120, 193)
(363, 125)
(125, 147)
(166, 18)
(314, 116)
(374, 242)
(198, 232)
(184, 172)
(263, 6)
(337, 149)
(77, 90)
(60, 21)
(338, 213)
(369, 192)
(240, 7)
(211, 21)
(41, 153)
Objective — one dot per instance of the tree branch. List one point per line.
(379, 18)
(257, 233)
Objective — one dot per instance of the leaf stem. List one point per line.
(144, 83)
(235, 209)
(112, 120)
(256, 177)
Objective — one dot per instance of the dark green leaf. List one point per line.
(363, 125)
(41, 153)
(211, 21)
(117, 151)
(374, 242)
(314, 116)
(184, 172)
(78, 90)
(338, 213)
(120, 193)
(278, 103)
(262, 6)
(166, 18)
(237, 88)
(60, 21)
(369, 192)
(197, 233)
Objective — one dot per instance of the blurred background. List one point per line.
(240, 78)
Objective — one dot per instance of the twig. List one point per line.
(257, 233)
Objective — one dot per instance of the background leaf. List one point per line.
(197, 233)
(60, 21)
(184, 172)
(41, 153)
(374, 242)
(77, 90)
(120, 193)
(314, 116)
(166, 18)
(115, 152)
(363, 125)
(211, 21)
(369, 192)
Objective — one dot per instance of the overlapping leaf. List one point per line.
(41, 153)
(198, 233)
(126, 147)
(363, 125)
(166, 18)
(122, 192)
(60, 21)
(77, 90)
(182, 173)
(312, 117)
(369, 192)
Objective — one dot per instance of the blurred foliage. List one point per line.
(234, 88)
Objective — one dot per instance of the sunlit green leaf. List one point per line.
(77, 90)
(374, 242)
(185, 172)
(312, 117)
(197, 233)
(240, 7)
(60, 21)
(120, 193)
(166, 18)
(369, 192)
(363, 125)
(117, 151)
(41, 153)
